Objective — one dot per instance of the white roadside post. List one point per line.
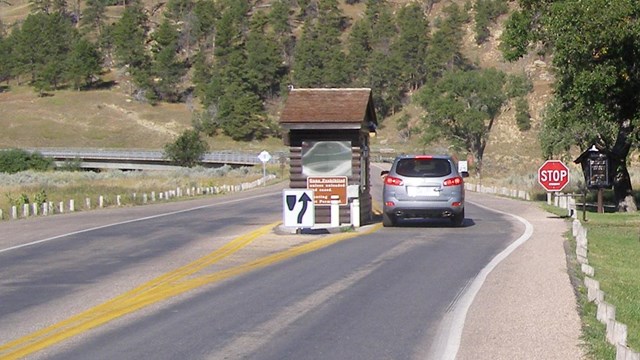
(335, 210)
(355, 212)
(264, 157)
(352, 193)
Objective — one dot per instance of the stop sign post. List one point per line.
(553, 175)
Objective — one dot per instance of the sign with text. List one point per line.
(553, 175)
(598, 176)
(324, 187)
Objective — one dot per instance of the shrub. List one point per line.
(187, 150)
(16, 160)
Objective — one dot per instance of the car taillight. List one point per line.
(428, 157)
(393, 181)
(453, 181)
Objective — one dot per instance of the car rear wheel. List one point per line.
(388, 220)
(458, 219)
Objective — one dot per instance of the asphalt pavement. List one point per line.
(525, 307)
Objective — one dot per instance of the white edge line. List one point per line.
(450, 332)
(128, 222)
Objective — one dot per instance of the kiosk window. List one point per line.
(326, 158)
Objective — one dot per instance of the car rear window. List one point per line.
(423, 167)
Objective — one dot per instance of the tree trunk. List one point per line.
(622, 189)
(623, 192)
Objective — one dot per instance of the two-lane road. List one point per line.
(381, 295)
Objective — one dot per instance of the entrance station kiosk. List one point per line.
(328, 131)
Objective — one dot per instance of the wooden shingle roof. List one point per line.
(328, 108)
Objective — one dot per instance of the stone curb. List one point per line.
(606, 313)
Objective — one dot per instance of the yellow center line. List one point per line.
(64, 329)
(164, 287)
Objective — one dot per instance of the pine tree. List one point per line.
(320, 61)
(263, 63)
(166, 70)
(411, 45)
(6, 62)
(83, 64)
(359, 52)
(205, 16)
(41, 46)
(94, 16)
(129, 37)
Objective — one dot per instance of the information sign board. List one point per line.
(324, 187)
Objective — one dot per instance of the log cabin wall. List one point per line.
(313, 115)
(298, 180)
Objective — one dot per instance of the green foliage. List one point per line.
(445, 49)
(597, 88)
(515, 39)
(319, 59)
(411, 45)
(16, 160)
(40, 197)
(240, 114)
(94, 16)
(403, 127)
(129, 36)
(166, 70)
(40, 48)
(462, 107)
(5, 59)
(360, 49)
(264, 63)
(518, 86)
(237, 60)
(71, 165)
(527, 28)
(523, 119)
(187, 150)
(83, 64)
(487, 11)
(205, 14)
(19, 201)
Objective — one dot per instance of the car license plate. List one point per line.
(415, 191)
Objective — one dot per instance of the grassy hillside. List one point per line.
(110, 118)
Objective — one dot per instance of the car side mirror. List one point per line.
(384, 173)
(464, 174)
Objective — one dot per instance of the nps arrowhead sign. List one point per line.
(553, 175)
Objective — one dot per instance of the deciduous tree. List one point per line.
(597, 90)
(462, 108)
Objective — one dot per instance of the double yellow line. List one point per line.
(161, 288)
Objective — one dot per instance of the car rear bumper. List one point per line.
(407, 213)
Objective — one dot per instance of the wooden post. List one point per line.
(600, 200)
(584, 205)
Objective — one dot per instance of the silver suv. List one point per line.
(423, 186)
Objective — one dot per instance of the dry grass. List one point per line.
(111, 119)
(30, 187)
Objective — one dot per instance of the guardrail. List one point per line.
(147, 159)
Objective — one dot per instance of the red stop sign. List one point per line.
(553, 175)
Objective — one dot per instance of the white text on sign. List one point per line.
(324, 187)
